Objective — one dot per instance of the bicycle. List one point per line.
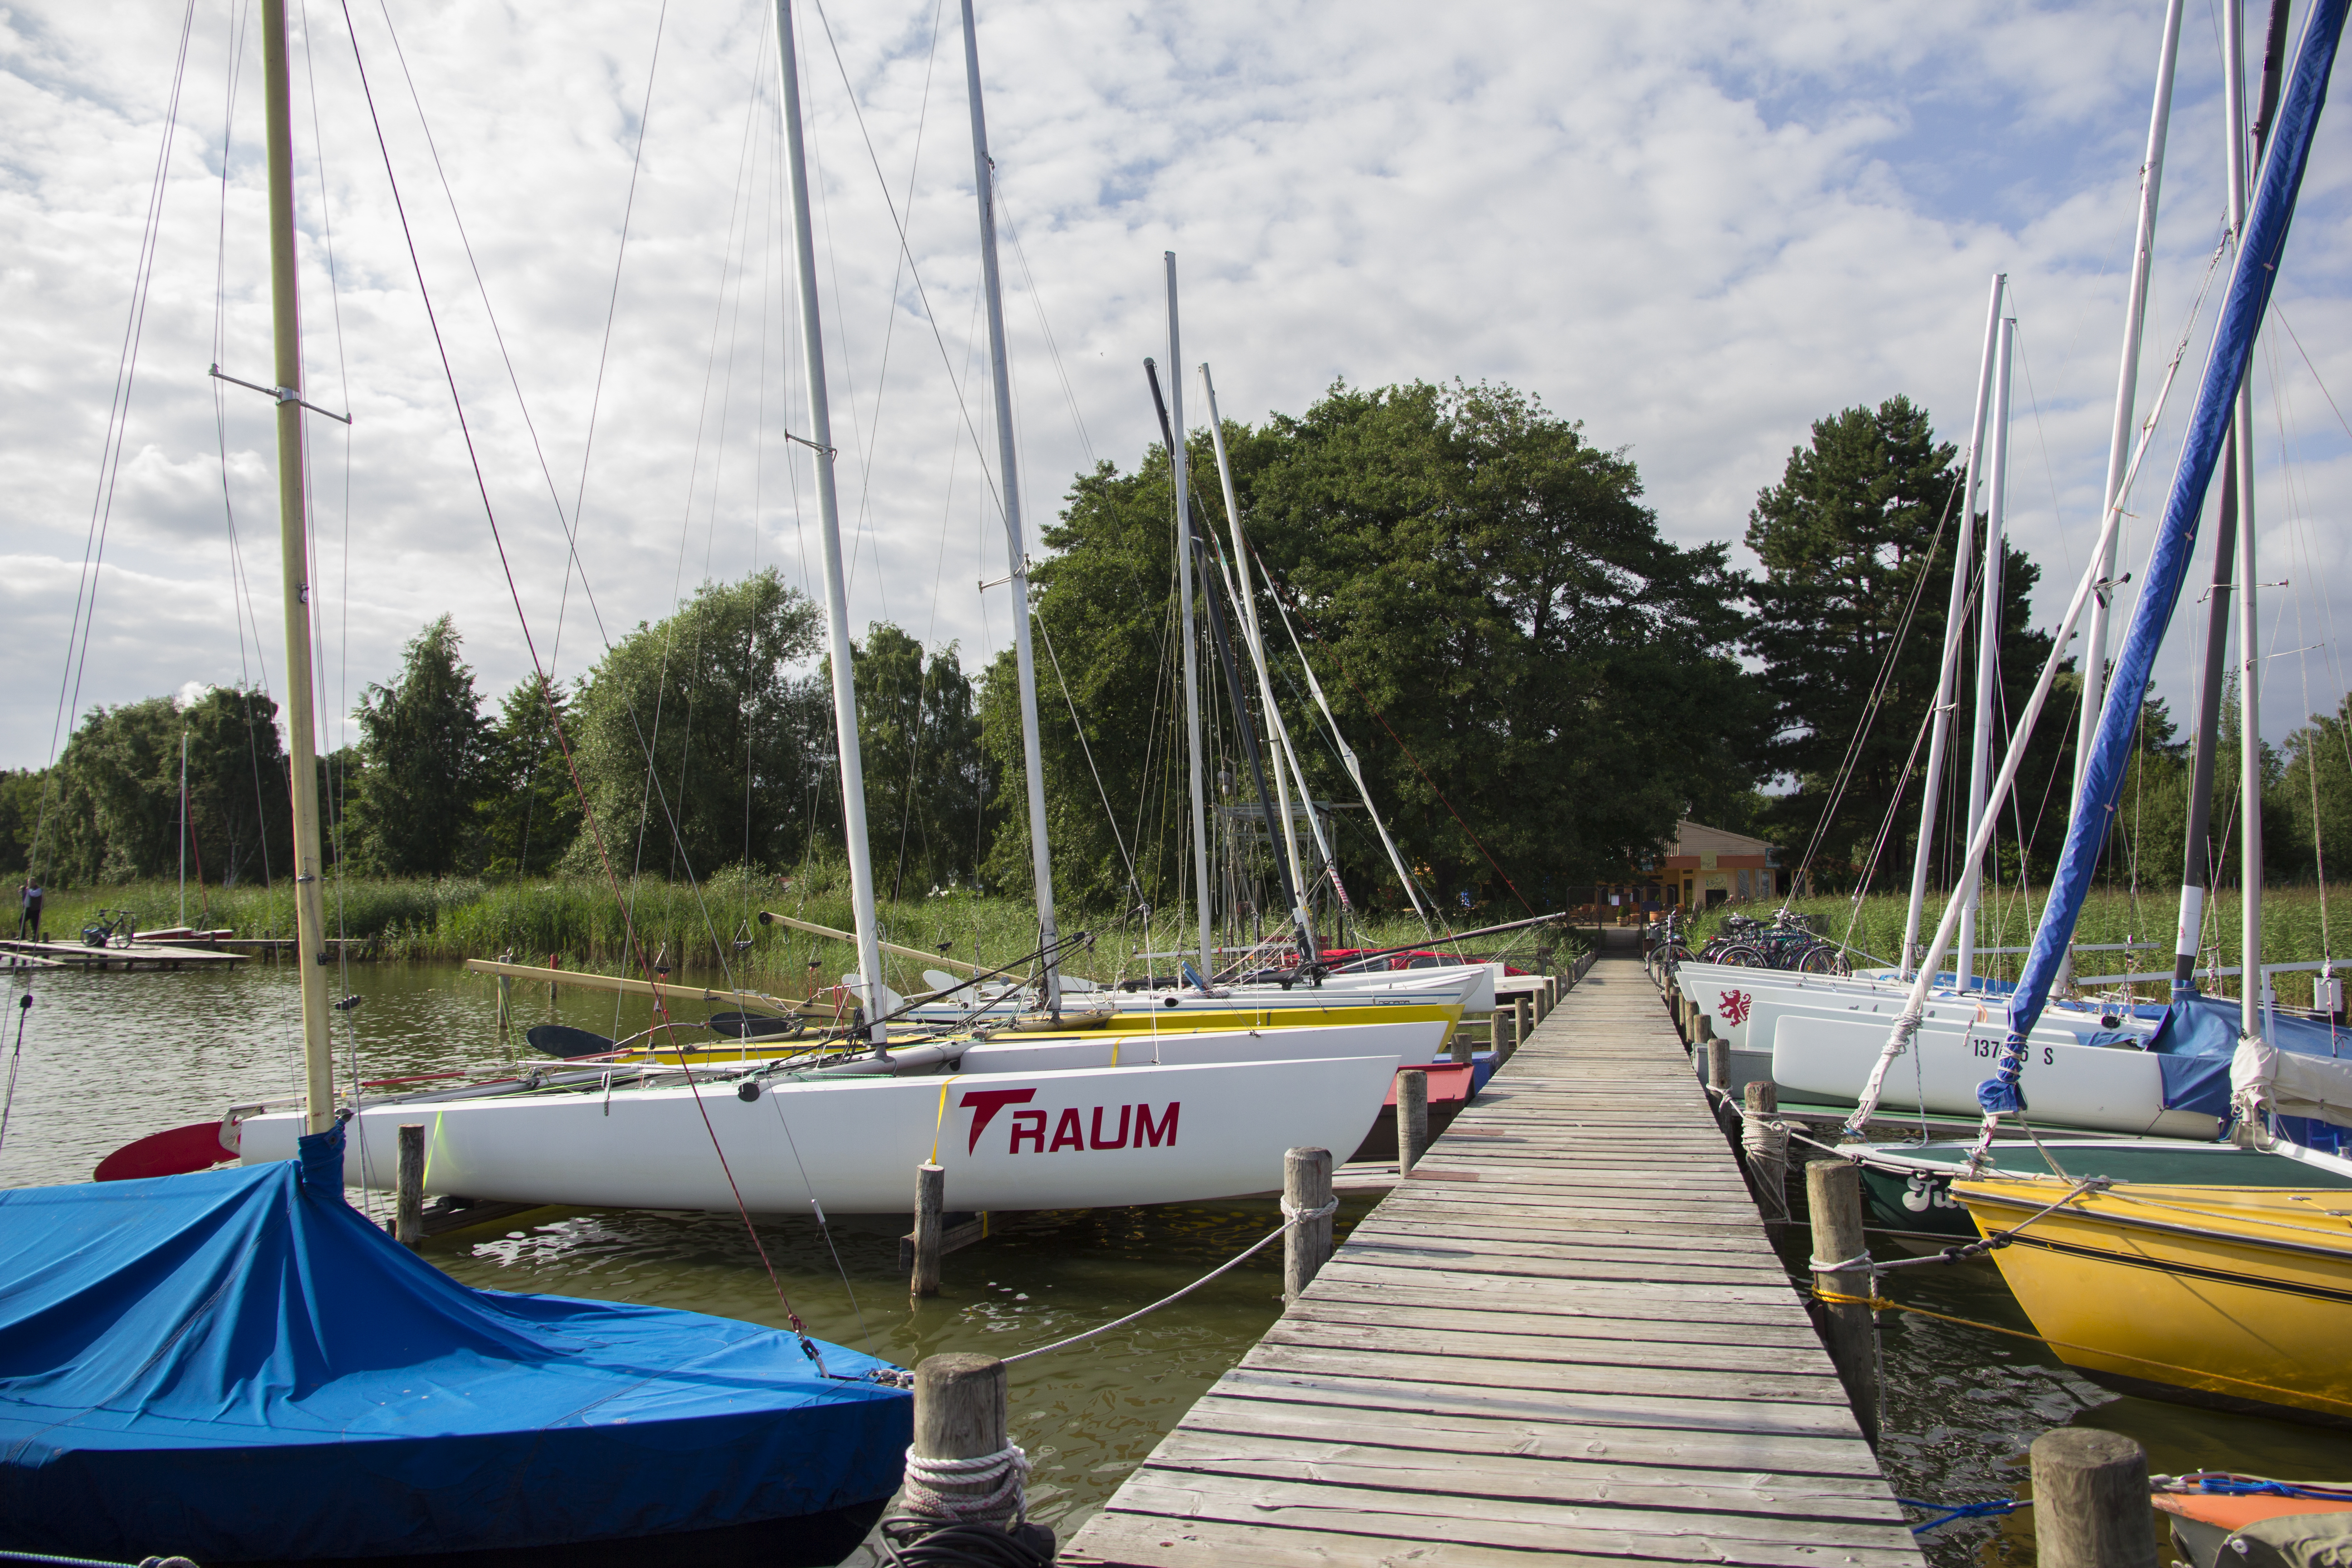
(110, 928)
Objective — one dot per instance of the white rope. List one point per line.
(1003, 1472)
(1291, 1217)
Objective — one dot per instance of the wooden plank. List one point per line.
(1567, 1335)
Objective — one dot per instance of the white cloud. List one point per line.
(1696, 228)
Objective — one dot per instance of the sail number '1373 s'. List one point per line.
(1138, 1126)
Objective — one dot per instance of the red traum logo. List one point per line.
(1136, 1127)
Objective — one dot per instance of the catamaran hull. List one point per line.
(1092, 1138)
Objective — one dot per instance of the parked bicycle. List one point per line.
(109, 928)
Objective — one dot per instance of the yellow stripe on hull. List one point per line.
(2242, 1293)
(1130, 1025)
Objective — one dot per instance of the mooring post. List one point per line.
(1718, 1065)
(1833, 1195)
(2090, 1500)
(1506, 1033)
(1765, 1139)
(1413, 1119)
(1305, 1187)
(408, 1201)
(1462, 1047)
(1528, 1017)
(931, 1228)
(961, 1414)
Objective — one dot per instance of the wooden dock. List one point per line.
(1564, 1335)
(139, 956)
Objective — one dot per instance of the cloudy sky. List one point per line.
(1696, 228)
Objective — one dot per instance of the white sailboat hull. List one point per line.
(2108, 1089)
(1090, 1138)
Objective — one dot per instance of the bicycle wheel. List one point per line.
(1739, 955)
(1823, 958)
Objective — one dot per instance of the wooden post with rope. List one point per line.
(1413, 1119)
(1833, 1195)
(1307, 1245)
(931, 1228)
(408, 1197)
(2090, 1500)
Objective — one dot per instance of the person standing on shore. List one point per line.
(28, 914)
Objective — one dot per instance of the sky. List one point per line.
(1696, 228)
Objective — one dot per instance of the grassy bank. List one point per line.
(708, 928)
(2293, 929)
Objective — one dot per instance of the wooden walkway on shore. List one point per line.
(1565, 1335)
(139, 956)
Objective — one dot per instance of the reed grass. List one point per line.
(712, 927)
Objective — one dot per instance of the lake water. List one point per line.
(109, 1057)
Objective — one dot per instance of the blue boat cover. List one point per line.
(2199, 1038)
(238, 1366)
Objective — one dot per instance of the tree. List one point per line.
(927, 780)
(423, 739)
(114, 808)
(530, 811)
(699, 746)
(1855, 541)
(1493, 609)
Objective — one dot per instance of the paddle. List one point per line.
(564, 1040)
(196, 1147)
(755, 1026)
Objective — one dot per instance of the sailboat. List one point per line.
(2223, 1290)
(1046, 1124)
(237, 1366)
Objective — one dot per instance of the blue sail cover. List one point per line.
(2250, 280)
(238, 1366)
(2198, 1039)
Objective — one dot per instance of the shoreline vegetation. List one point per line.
(712, 931)
(2302, 923)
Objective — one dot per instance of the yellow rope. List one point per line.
(941, 1119)
(1882, 1303)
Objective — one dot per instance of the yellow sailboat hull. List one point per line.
(2234, 1295)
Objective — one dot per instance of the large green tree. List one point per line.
(530, 811)
(1856, 545)
(699, 742)
(423, 739)
(112, 811)
(1538, 683)
(927, 780)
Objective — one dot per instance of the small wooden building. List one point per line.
(1706, 866)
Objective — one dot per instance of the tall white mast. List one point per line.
(1176, 468)
(184, 827)
(836, 594)
(1988, 641)
(2119, 435)
(2250, 662)
(302, 731)
(1247, 600)
(1041, 858)
(1955, 610)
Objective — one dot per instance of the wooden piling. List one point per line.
(1506, 1033)
(1306, 1186)
(1766, 1144)
(1462, 1047)
(408, 1203)
(1718, 1065)
(931, 1228)
(962, 1412)
(2090, 1500)
(1413, 1119)
(1528, 1017)
(1833, 1195)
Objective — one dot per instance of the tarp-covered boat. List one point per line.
(237, 1366)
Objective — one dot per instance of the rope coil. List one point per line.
(1004, 1473)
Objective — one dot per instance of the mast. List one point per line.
(1310, 955)
(836, 595)
(1956, 615)
(2120, 434)
(1246, 596)
(1987, 642)
(294, 554)
(2250, 662)
(1041, 858)
(184, 827)
(1177, 465)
